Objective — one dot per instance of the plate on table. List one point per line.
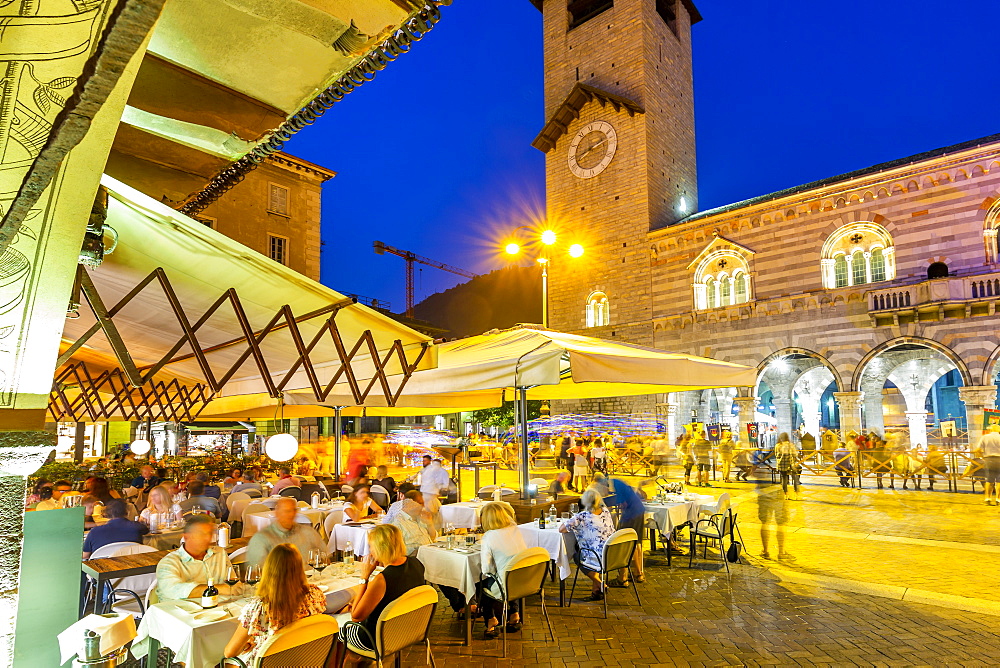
(188, 606)
(213, 615)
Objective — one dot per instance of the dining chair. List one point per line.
(615, 556)
(306, 642)
(404, 622)
(525, 576)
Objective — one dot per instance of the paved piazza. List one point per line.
(876, 578)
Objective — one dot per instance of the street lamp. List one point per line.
(542, 243)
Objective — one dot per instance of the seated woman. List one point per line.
(360, 506)
(501, 543)
(234, 478)
(283, 596)
(160, 501)
(592, 526)
(100, 489)
(400, 575)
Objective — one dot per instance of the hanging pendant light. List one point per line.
(141, 446)
(281, 447)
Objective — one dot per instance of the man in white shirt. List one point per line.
(433, 481)
(55, 502)
(184, 572)
(989, 449)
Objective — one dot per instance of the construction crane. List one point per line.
(410, 257)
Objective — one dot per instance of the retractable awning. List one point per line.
(181, 304)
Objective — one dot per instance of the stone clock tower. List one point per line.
(620, 154)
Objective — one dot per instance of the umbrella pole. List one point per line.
(522, 411)
(336, 443)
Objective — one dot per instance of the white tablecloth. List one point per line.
(165, 540)
(460, 570)
(670, 515)
(560, 546)
(463, 515)
(254, 522)
(357, 535)
(201, 645)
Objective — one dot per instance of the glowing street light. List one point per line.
(547, 238)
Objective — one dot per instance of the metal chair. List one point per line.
(524, 577)
(615, 556)
(715, 528)
(133, 586)
(719, 507)
(380, 495)
(306, 642)
(294, 492)
(403, 623)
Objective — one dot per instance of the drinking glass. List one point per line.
(232, 575)
(252, 575)
(470, 540)
(574, 508)
(565, 515)
(322, 560)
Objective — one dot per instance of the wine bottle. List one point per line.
(210, 597)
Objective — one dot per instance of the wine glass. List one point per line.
(322, 560)
(232, 576)
(252, 575)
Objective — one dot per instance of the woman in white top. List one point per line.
(360, 505)
(160, 501)
(501, 543)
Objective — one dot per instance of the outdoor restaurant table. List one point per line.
(560, 547)
(199, 644)
(459, 568)
(169, 539)
(357, 534)
(254, 522)
(462, 515)
(143, 563)
(670, 515)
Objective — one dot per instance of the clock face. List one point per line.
(592, 149)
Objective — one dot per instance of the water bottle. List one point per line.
(315, 500)
(552, 514)
(224, 535)
(348, 554)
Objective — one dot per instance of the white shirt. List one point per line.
(989, 443)
(499, 547)
(434, 479)
(179, 573)
(175, 509)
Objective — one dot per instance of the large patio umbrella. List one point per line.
(528, 362)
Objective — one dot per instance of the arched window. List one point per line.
(741, 288)
(937, 270)
(878, 265)
(858, 268)
(721, 278)
(856, 254)
(598, 310)
(840, 271)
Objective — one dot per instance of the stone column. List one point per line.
(918, 429)
(850, 412)
(783, 414)
(747, 407)
(874, 417)
(670, 408)
(977, 398)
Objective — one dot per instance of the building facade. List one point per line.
(866, 301)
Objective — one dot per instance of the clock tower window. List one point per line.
(581, 11)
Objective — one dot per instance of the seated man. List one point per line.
(197, 499)
(184, 572)
(249, 485)
(285, 479)
(416, 524)
(146, 480)
(211, 490)
(397, 507)
(59, 487)
(284, 529)
(118, 529)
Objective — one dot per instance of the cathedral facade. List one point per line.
(867, 301)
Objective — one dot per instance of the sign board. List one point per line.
(753, 434)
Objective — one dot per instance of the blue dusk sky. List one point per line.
(434, 155)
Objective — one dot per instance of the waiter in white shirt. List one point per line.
(433, 480)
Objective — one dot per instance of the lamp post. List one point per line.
(543, 242)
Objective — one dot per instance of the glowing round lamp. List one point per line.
(548, 237)
(576, 250)
(281, 447)
(512, 249)
(140, 446)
